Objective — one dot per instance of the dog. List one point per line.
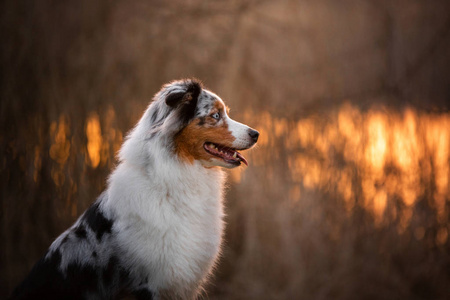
(156, 231)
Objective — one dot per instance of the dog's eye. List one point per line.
(216, 116)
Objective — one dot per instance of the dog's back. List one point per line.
(83, 263)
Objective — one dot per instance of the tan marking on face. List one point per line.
(189, 142)
(218, 106)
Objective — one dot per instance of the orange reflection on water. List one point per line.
(437, 140)
(94, 137)
(102, 145)
(377, 138)
(99, 149)
(366, 157)
(59, 150)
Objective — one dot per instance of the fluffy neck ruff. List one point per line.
(168, 212)
(170, 219)
(150, 169)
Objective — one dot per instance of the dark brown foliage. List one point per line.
(76, 75)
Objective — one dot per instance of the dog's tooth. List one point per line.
(234, 155)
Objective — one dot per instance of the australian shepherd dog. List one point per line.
(155, 232)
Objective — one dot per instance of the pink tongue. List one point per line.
(242, 158)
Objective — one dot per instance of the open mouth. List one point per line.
(229, 155)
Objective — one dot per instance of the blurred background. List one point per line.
(347, 195)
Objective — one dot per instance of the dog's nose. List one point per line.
(254, 135)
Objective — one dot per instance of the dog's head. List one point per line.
(209, 134)
(195, 125)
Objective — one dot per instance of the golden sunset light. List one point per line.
(279, 149)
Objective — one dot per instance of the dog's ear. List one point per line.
(185, 102)
(193, 90)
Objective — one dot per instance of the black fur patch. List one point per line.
(97, 221)
(46, 281)
(80, 232)
(186, 102)
(143, 294)
(174, 99)
(111, 271)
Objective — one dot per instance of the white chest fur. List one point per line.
(168, 223)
